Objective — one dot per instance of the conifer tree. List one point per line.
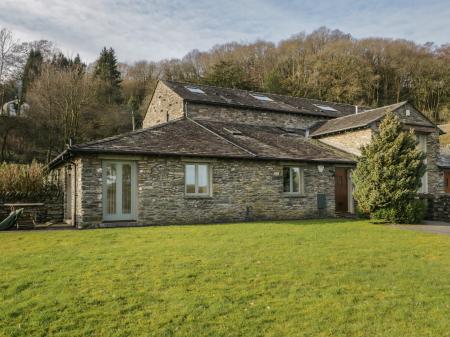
(107, 73)
(389, 173)
(32, 69)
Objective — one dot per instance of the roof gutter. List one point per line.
(148, 153)
(61, 158)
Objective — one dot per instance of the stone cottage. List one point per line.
(208, 154)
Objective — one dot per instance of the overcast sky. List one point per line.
(157, 29)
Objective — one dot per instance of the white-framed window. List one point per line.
(422, 146)
(293, 180)
(197, 179)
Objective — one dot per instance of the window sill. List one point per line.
(294, 195)
(197, 196)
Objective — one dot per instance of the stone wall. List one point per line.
(241, 190)
(89, 207)
(165, 105)
(249, 116)
(350, 141)
(51, 211)
(414, 117)
(438, 207)
(435, 174)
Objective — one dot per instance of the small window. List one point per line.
(195, 90)
(197, 179)
(325, 107)
(422, 142)
(293, 180)
(262, 98)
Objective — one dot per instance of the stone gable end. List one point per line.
(164, 106)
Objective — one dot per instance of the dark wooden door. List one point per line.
(341, 190)
(447, 181)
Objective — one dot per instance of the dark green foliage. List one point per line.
(228, 74)
(389, 173)
(63, 62)
(32, 69)
(411, 212)
(107, 73)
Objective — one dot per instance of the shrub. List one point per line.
(22, 179)
(412, 212)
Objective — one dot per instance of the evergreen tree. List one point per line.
(107, 73)
(62, 62)
(389, 173)
(31, 70)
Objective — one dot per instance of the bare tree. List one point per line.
(11, 56)
(58, 99)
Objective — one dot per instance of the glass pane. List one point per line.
(295, 179)
(190, 178)
(126, 189)
(202, 179)
(111, 182)
(286, 180)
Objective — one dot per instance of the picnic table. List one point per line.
(14, 206)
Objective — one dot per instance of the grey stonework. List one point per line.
(166, 103)
(414, 117)
(435, 174)
(165, 106)
(242, 190)
(250, 116)
(351, 141)
(438, 207)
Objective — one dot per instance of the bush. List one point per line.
(412, 212)
(22, 179)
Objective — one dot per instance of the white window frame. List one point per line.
(422, 146)
(209, 180)
(301, 188)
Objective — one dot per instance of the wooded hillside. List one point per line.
(70, 101)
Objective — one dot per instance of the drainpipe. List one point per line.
(74, 203)
(185, 110)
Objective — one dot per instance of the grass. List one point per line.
(298, 278)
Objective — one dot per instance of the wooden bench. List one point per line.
(34, 214)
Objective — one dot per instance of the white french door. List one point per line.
(119, 190)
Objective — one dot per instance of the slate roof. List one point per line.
(178, 137)
(354, 121)
(185, 137)
(244, 99)
(277, 143)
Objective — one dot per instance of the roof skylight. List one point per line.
(233, 131)
(195, 90)
(325, 107)
(262, 98)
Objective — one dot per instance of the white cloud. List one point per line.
(156, 29)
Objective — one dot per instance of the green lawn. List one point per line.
(299, 278)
